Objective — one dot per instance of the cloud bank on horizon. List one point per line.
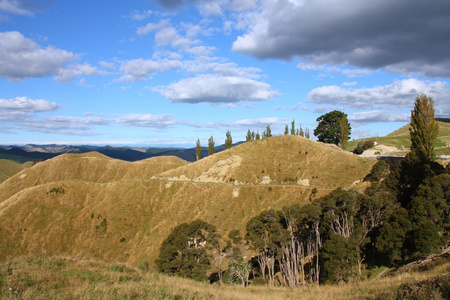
(169, 72)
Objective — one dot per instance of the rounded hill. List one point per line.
(94, 206)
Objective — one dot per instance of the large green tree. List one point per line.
(424, 128)
(329, 128)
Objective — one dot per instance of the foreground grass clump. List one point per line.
(43, 277)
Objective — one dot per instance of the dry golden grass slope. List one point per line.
(8, 168)
(93, 206)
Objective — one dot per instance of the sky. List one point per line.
(168, 72)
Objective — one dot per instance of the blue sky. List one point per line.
(164, 73)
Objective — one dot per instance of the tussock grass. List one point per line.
(64, 277)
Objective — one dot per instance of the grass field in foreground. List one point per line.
(60, 277)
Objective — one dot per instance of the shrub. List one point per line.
(363, 146)
(58, 190)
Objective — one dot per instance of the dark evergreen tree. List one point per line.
(340, 258)
(392, 235)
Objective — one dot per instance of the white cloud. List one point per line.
(407, 36)
(14, 7)
(377, 116)
(146, 120)
(62, 124)
(356, 72)
(398, 95)
(26, 104)
(168, 36)
(67, 75)
(21, 58)
(223, 69)
(140, 15)
(107, 65)
(139, 69)
(202, 50)
(258, 121)
(217, 89)
(149, 27)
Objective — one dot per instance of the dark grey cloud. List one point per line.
(170, 4)
(404, 36)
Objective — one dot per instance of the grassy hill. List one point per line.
(9, 168)
(94, 206)
(70, 277)
(400, 138)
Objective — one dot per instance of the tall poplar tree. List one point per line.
(228, 141)
(211, 144)
(424, 128)
(198, 150)
(345, 131)
(248, 138)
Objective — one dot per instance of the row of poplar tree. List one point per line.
(403, 215)
(251, 136)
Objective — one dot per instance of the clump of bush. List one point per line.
(58, 190)
(363, 146)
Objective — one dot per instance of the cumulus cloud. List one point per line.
(21, 58)
(407, 36)
(398, 95)
(26, 104)
(139, 69)
(217, 89)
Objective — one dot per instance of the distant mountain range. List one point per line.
(32, 152)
